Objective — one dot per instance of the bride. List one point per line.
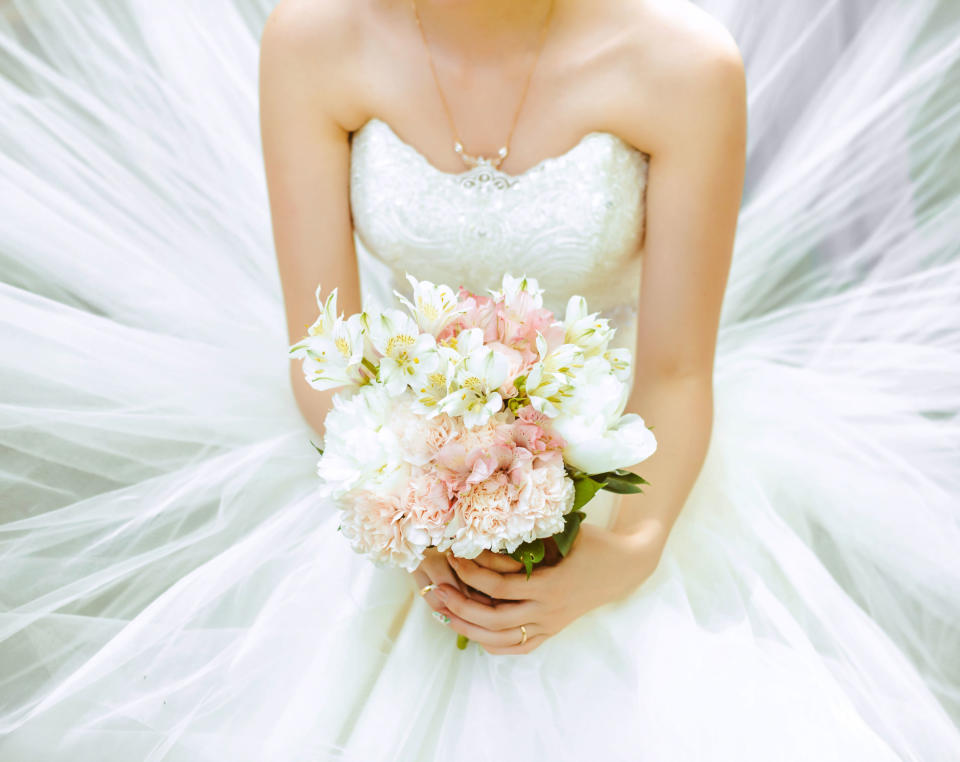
(667, 79)
(787, 587)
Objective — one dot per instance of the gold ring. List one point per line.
(426, 589)
(523, 640)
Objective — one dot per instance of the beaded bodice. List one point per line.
(574, 222)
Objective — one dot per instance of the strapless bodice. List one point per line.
(573, 221)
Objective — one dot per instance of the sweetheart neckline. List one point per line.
(537, 167)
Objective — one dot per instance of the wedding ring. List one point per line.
(523, 640)
(426, 589)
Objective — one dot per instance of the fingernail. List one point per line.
(441, 617)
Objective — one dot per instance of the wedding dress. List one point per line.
(172, 587)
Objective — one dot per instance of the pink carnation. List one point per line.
(524, 496)
(427, 508)
(373, 523)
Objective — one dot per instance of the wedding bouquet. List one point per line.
(470, 422)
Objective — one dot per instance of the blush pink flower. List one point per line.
(524, 500)
(427, 509)
(479, 312)
(421, 439)
(373, 523)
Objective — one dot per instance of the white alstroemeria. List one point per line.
(588, 331)
(463, 345)
(474, 395)
(548, 380)
(510, 287)
(334, 355)
(435, 388)
(591, 421)
(408, 355)
(328, 314)
(619, 360)
(433, 307)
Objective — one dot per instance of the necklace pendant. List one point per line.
(480, 161)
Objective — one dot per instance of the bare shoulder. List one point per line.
(307, 50)
(682, 72)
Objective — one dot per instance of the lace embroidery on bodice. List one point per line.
(574, 221)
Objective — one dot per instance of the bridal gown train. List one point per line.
(173, 589)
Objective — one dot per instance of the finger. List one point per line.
(420, 579)
(515, 587)
(498, 562)
(481, 635)
(440, 573)
(503, 616)
(530, 645)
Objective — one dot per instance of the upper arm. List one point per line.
(693, 195)
(306, 159)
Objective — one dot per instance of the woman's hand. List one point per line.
(601, 567)
(435, 570)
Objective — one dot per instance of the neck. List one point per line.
(476, 28)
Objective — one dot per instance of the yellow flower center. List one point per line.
(400, 340)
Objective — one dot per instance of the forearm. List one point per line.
(680, 408)
(313, 403)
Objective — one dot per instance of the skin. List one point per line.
(662, 75)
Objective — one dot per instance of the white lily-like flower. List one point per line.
(475, 396)
(588, 331)
(619, 360)
(328, 314)
(510, 287)
(433, 307)
(548, 381)
(408, 355)
(464, 344)
(333, 356)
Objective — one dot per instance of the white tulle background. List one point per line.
(160, 594)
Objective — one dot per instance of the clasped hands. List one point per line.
(488, 598)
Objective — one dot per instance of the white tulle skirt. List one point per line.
(172, 588)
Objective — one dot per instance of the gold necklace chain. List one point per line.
(473, 161)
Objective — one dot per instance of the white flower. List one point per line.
(360, 448)
(619, 360)
(328, 314)
(549, 379)
(599, 438)
(333, 353)
(511, 288)
(409, 356)
(433, 307)
(475, 396)
(587, 331)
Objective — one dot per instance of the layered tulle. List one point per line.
(173, 589)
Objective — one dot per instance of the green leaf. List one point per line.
(462, 641)
(629, 476)
(620, 486)
(529, 553)
(318, 449)
(571, 525)
(584, 490)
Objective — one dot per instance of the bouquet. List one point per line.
(469, 422)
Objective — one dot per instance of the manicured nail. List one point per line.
(441, 617)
